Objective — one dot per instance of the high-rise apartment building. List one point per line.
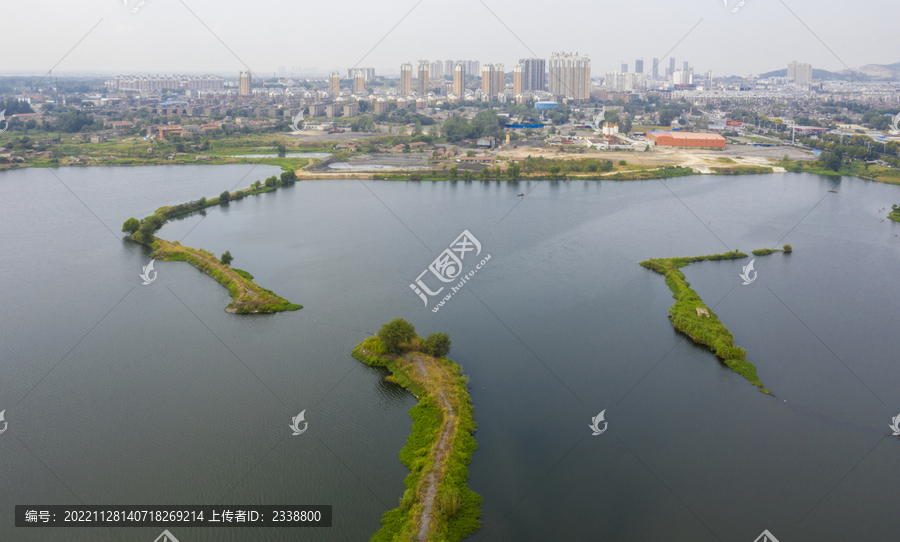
(492, 81)
(359, 80)
(518, 74)
(639, 65)
(436, 69)
(244, 83)
(174, 82)
(424, 77)
(800, 73)
(623, 81)
(334, 83)
(671, 67)
(534, 74)
(405, 78)
(655, 68)
(686, 67)
(624, 67)
(459, 79)
(448, 68)
(570, 76)
(683, 78)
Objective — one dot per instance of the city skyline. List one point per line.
(224, 39)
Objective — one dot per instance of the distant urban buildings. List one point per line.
(436, 69)
(424, 76)
(406, 78)
(800, 73)
(359, 80)
(534, 74)
(655, 68)
(518, 77)
(639, 65)
(492, 81)
(368, 73)
(334, 84)
(173, 82)
(570, 76)
(623, 81)
(683, 78)
(244, 83)
(459, 79)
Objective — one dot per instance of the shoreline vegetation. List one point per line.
(437, 505)
(691, 316)
(895, 213)
(247, 297)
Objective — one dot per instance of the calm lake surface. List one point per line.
(119, 393)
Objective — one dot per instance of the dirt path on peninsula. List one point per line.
(441, 448)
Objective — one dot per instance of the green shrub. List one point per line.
(131, 225)
(395, 334)
(224, 197)
(787, 248)
(437, 345)
(288, 177)
(227, 258)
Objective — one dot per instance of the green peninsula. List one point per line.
(691, 316)
(437, 505)
(247, 297)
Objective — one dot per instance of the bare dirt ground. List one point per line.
(698, 159)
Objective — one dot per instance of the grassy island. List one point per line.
(691, 316)
(895, 213)
(247, 296)
(437, 505)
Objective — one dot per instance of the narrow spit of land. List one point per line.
(437, 504)
(691, 316)
(247, 297)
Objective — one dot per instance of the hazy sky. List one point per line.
(163, 36)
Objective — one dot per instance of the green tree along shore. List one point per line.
(702, 329)
(247, 296)
(437, 505)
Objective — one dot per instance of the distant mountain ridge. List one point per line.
(867, 72)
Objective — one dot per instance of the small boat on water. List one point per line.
(834, 191)
(520, 195)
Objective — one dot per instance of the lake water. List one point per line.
(119, 393)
